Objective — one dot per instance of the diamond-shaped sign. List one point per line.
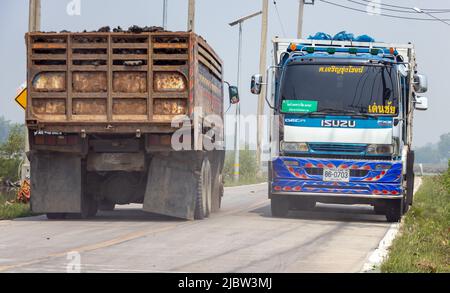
(21, 98)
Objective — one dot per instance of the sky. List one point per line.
(431, 39)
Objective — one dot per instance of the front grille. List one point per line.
(353, 172)
(341, 148)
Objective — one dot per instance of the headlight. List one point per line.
(169, 81)
(294, 146)
(380, 149)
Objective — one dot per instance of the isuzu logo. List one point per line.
(339, 123)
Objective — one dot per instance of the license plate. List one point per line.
(336, 175)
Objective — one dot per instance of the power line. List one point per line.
(279, 18)
(381, 14)
(378, 5)
(405, 7)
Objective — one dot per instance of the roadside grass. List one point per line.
(423, 245)
(248, 169)
(10, 210)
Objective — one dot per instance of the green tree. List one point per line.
(11, 153)
(14, 146)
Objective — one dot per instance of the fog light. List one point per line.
(380, 149)
(294, 146)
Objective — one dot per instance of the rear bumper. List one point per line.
(336, 195)
(368, 179)
(100, 127)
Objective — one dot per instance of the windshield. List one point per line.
(364, 89)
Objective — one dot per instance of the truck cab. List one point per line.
(342, 124)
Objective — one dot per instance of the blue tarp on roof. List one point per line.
(341, 36)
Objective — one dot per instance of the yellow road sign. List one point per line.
(21, 98)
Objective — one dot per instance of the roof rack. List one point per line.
(282, 45)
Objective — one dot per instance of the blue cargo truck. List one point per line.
(341, 123)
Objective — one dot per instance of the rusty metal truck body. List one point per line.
(100, 117)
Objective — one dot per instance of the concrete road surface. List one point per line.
(242, 237)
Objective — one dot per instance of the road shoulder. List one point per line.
(376, 257)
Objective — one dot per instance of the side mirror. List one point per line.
(257, 82)
(421, 103)
(234, 94)
(420, 83)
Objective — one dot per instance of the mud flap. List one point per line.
(171, 187)
(56, 183)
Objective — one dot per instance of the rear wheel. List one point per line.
(203, 196)
(394, 210)
(410, 176)
(279, 207)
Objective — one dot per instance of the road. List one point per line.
(242, 237)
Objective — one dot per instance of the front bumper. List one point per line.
(368, 179)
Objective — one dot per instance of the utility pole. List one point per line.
(262, 71)
(237, 128)
(34, 25)
(238, 107)
(191, 16)
(165, 14)
(34, 20)
(301, 10)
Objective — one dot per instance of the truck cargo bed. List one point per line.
(119, 82)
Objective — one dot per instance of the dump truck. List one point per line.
(123, 117)
(342, 123)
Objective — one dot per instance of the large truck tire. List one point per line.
(410, 176)
(204, 190)
(279, 207)
(394, 210)
(216, 159)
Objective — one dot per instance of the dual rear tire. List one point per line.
(393, 209)
(203, 197)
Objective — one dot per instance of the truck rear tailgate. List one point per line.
(107, 81)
